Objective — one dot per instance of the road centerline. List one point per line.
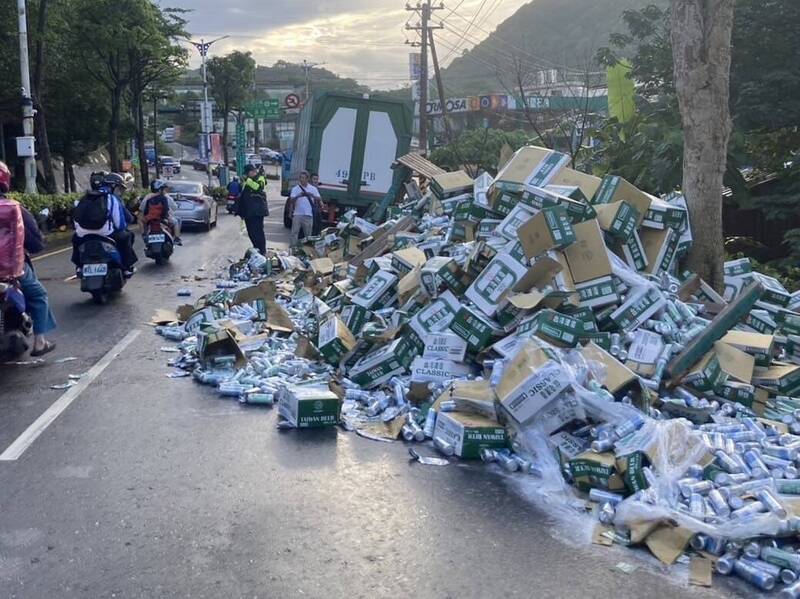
(30, 434)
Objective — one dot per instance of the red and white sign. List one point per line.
(292, 101)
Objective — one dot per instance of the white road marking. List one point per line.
(26, 439)
(47, 255)
(72, 278)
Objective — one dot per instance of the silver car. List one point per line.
(195, 205)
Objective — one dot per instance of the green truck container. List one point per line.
(351, 141)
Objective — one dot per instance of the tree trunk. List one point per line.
(66, 174)
(225, 135)
(73, 187)
(701, 54)
(138, 109)
(42, 141)
(113, 129)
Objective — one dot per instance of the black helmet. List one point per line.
(158, 185)
(249, 168)
(112, 180)
(96, 179)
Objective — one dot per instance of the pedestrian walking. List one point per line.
(252, 208)
(302, 198)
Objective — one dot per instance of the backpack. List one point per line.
(12, 240)
(92, 211)
(155, 209)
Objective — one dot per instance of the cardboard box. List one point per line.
(661, 215)
(559, 329)
(379, 292)
(448, 185)
(548, 230)
(436, 370)
(309, 407)
(474, 327)
(405, 260)
(644, 351)
(618, 219)
(469, 433)
(497, 279)
(517, 216)
(379, 365)
(588, 184)
(615, 189)
(783, 379)
(638, 308)
(355, 317)
(706, 374)
(659, 247)
(736, 364)
(199, 317)
(334, 339)
(618, 376)
(592, 470)
(509, 183)
(540, 197)
(442, 272)
(587, 256)
(322, 266)
(548, 168)
(214, 342)
(530, 382)
(755, 344)
(435, 317)
(597, 292)
(445, 346)
(632, 251)
(774, 292)
(734, 268)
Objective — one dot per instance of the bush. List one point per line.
(219, 194)
(61, 206)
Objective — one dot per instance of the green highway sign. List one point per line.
(263, 109)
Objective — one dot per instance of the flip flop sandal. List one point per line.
(48, 347)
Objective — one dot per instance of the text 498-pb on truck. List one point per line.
(351, 142)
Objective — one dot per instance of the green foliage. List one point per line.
(478, 149)
(230, 79)
(621, 93)
(55, 203)
(219, 194)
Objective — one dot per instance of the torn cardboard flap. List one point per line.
(618, 376)
(322, 266)
(587, 256)
(668, 543)
(164, 317)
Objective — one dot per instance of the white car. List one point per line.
(253, 159)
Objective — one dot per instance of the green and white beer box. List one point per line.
(436, 316)
(498, 278)
(618, 219)
(540, 197)
(774, 292)
(556, 328)
(530, 382)
(706, 374)
(379, 365)
(519, 215)
(450, 205)
(757, 345)
(379, 292)
(633, 252)
(615, 189)
(734, 268)
(659, 247)
(446, 185)
(407, 259)
(640, 306)
(661, 215)
(573, 192)
(309, 407)
(783, 379)
(474, 327)
(548, 230)
(444, 346)
(469, 433)
(506, 189)
(441, 272)
(597, 292)
(435, 370)
(548, 168)
(487, 227)
(334, 339)
(355, 317)
(760, 321)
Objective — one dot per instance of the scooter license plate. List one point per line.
(157, 238)
(95, 270)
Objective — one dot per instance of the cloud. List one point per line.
(363, 39)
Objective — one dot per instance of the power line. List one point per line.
(464, 34)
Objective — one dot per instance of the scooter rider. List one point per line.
(168, 209)
(113, 223)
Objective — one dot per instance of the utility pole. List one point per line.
(307, 66)
(440, 87)
(206, 116)
(423, 9)
(26, 146)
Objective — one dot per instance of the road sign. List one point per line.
(291, 101)
(263, 109)
(414, 66)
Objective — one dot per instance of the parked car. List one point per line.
(253, 159)
(201, 164)
(170, 161)
(270, 155)
(195, 205)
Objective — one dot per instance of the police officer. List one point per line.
(252, 207)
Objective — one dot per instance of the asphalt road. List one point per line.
(146, 486)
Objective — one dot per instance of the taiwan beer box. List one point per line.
(542, 197)
(508, 185)
(436, 370)
(783, 379)
(530, 381)
(588, 184)
(309, 407)
(379, 292)
(405, 260)
(548, 230)
(379, 365)
(445, 346)
(659, 247)
(434, 317)
(755, 344)
(616, 189)
(469, 433)
(442, 272)
(661, 215)
(592, 470)
(448, 185)
(334, 339)
(474, 327)
(517, 216)
(631, 251)
(495, 281)
(618, 219)
(590, 266)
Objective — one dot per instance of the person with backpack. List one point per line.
(101, 212)
(235, 187)
(159, 206)
(37, 303)
(252, 208)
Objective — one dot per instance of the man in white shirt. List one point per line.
(302, 196)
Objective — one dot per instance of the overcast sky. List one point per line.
(356, 38)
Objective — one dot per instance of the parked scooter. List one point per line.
(101, 268)
(16, 327)
(230, 203)
(158, 242)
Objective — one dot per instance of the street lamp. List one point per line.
(202, 47)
